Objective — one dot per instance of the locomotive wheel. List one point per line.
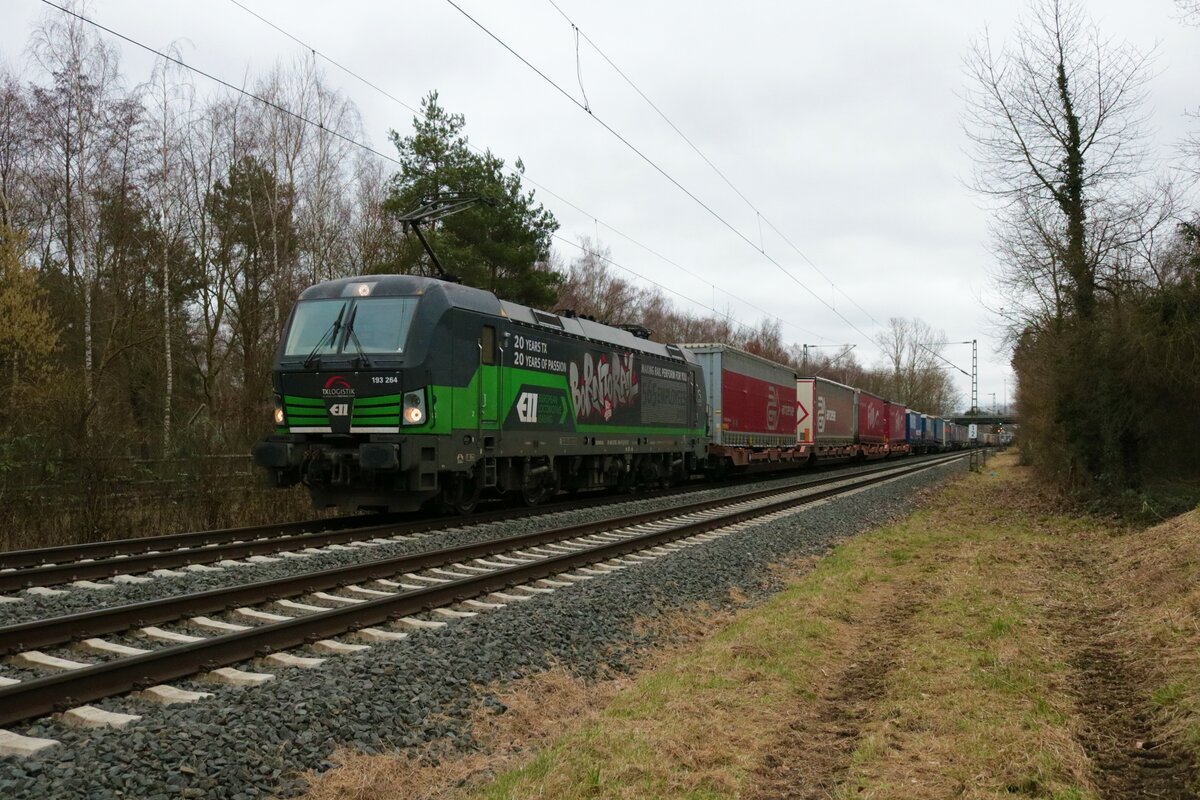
(462, 495)
(537, 494)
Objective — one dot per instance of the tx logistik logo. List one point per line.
(527, 407)
(337, 386)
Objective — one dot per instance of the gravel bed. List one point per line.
(251, 743)
(75, 600)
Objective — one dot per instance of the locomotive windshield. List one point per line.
(325, 327)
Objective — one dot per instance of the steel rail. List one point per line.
(35, 557)
(55, 574)
(42, 696)
(71, 627)
(60, 554)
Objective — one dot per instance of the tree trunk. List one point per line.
(1070, 198)
(170, 371)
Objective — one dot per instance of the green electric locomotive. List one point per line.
(395, 391)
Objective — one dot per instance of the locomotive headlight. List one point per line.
(279, 419)
(414, 408)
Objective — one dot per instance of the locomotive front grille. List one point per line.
(305, 414)
(376, 414)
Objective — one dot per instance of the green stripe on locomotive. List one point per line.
(464, 400)
(464, 408)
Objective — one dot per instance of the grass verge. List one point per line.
(943, 656)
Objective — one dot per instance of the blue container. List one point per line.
(912, 427)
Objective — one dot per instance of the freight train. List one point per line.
(397, 391)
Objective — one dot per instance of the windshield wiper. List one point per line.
(362, 355)
(331, 332)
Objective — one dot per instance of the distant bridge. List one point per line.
(987, 419)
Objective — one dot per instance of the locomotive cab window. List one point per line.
(374, 324)
(314, 327)
(381, 323)
(487, 346)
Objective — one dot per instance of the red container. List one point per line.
(825, 412)
(752, 400)
(896, 417)
(872, 419)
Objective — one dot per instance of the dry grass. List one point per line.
(533, 707)
(937, 657)
(149, 511)
(536, 709)
(1157, 576)
(978, 701)
(907, 664)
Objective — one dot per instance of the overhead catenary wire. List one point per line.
(659, 169)
(580, 33)
(348, 139)
(525, 177)
(318, 54)
(367, 148)
(611, 262)
(240, 90)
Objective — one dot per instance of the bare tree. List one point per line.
(169, 99)
(915, 372)
(78, 132)
(327, 171)
(17, 153)
(372, 233)
(592, 288)
(1057, 121)
(214, 140)
(1189, 11)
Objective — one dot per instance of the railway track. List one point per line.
(441, 585)
(86, 564)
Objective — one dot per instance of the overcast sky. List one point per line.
(840, 122)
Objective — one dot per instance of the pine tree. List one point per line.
(502, 244)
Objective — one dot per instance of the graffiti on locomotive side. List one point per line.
(601, 385)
